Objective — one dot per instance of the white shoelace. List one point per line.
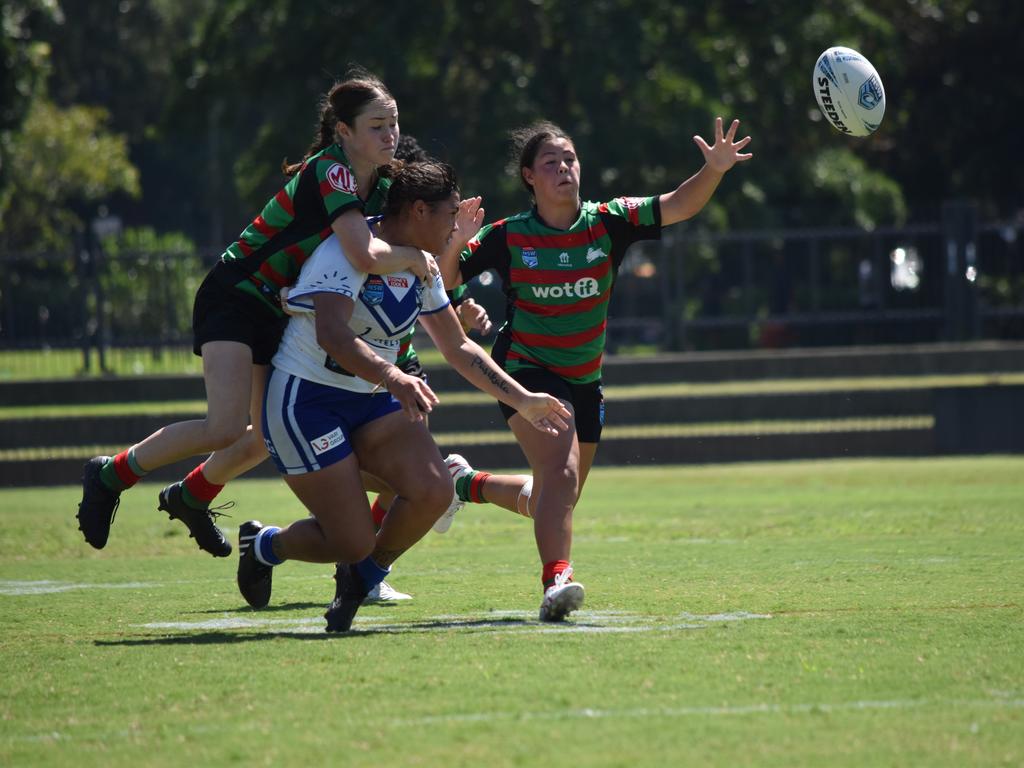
(561, 579)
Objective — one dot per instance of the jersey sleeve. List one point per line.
(459, 294)
(327, 271)
(434, 297)
(487, 250)
(631, 219)
(337, 186)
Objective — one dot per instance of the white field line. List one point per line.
(635, 713)
(44, 587)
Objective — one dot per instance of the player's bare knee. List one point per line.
(219, 435)
(352, 548)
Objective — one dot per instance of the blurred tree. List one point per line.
(65, 161)
(24, 58)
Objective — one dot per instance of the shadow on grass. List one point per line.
(246, 610)
(232, 636)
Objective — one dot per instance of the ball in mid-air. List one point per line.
(849, 91)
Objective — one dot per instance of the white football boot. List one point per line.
(384, 593)
(457, 467)
(561, 598)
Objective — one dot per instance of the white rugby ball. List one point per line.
(849, 91)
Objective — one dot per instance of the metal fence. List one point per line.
(955, 279)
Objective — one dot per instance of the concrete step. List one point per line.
(484, 415)
(614, 451)
(832, 362)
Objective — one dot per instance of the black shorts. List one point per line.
(221, 313)
(587, 399)
(413, 367)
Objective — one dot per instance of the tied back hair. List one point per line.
(527, 141)
(430, 181)
(344, 102)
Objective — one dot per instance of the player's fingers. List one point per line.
(718, 129)
(741, 143)
(732, 130)
(701, 144)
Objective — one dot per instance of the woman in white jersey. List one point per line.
(335, 403)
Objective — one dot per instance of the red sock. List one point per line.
(476, 487)
(551, 570)
(122, 471)
(198, 491)
(378, 512)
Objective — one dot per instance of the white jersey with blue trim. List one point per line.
(386, 306)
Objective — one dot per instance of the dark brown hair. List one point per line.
(430, 181)
(526, 142)
(344, 102)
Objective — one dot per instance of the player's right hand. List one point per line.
(415, 397)
(424, 266)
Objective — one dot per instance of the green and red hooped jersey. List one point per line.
(270, 252)
(558, 282)
(405, 349)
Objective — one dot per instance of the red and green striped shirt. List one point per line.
(558, 282)
(270, 252)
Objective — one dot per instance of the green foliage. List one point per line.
(24, 64)
(66, 159)
(844, 182)
(149, 281)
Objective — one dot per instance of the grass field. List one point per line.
(851, 613)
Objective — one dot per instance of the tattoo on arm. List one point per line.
(489, 371)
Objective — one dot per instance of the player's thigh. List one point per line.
(259, 386)
(403, 454)
(587, 453)
(228, 376)
(548, 454)
(334, 496)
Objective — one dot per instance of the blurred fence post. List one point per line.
(959, 237)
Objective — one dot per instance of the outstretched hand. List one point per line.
(725, 152)
(545, 413)
(468, 221)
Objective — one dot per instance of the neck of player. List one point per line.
(559, 214)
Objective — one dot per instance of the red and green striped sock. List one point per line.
(122, 471)
(551, 570)
(197, 491)
(470, 487)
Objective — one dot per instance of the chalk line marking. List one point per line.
(45, 587)
(632, 713)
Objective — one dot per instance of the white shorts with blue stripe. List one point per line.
(308, 426)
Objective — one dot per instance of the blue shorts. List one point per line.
(308, 426)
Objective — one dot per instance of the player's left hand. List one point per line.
(725, 152)
(545, 413)
(467, 221)
(473, 317)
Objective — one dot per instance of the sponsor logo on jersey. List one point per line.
(341, 179)
(631, 203)
(583, 288)
(530, 257)
(324, 443)
(373, 291)
(397, 282)
(593, 254)
(563, 259)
